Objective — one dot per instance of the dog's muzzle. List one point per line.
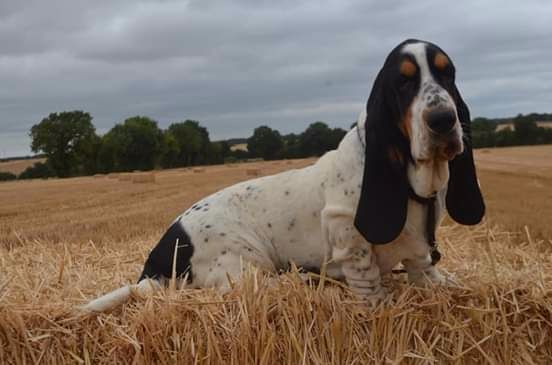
(441, 122)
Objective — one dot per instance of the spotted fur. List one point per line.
(349, 211)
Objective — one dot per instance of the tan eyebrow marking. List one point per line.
(408, 69)
(440, 61)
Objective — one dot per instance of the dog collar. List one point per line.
(429, 202)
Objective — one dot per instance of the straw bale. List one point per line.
(501, 312)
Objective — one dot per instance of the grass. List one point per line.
(65, 241)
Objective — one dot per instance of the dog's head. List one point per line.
(415, 115)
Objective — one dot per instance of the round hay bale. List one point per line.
(253, 172)
(143, 178)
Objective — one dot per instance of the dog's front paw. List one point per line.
(374, 297)
(432, 276)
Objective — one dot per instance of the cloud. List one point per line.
(236, 65)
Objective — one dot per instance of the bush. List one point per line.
(231, 159)
(39, 170)
(7, 176)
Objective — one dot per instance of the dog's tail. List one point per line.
(121, 295)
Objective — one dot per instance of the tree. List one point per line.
(136, 144)
(7, 176)
(170, 152)
(525, 130)
(318, 138)
(39, 170)
(292, 146)
(483, 132)
(67, 139)
(266, 143)
(190, 138)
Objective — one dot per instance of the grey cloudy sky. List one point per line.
(234, 65)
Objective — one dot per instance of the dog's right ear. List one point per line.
(382, 208)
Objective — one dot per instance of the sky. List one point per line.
(235, 65)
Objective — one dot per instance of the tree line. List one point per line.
(72, 147)
(525, 131)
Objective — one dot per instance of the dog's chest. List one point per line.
(412, 243)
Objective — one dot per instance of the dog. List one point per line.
(359, 211)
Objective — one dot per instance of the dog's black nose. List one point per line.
(440, 120)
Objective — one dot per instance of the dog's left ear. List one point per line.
(464, 200)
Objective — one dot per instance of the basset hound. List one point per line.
(359, 211)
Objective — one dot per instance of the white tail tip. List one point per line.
(120, 296)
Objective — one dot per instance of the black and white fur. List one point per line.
(350, 210)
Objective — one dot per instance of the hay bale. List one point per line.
(143, 178)
(289, 162)
(198, 170)
(253, 172)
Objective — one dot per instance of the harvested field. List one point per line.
(253, 172)
(18, 166)
(517, 182)
(67, 240)
(141, 178)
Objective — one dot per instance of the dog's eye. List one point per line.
(405, 82)
(446, 75)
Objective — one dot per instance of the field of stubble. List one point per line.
(63, 242)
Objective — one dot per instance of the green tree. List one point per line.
(39, 170)
(190, 139)
(318, 138)
(292, 146)
(7, 176)
(525, 130)
(136, 144)
(170, 152)
(266, 143)
(483, 132)
(67, 139)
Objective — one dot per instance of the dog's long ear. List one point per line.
(381, 211)
(464, 200)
